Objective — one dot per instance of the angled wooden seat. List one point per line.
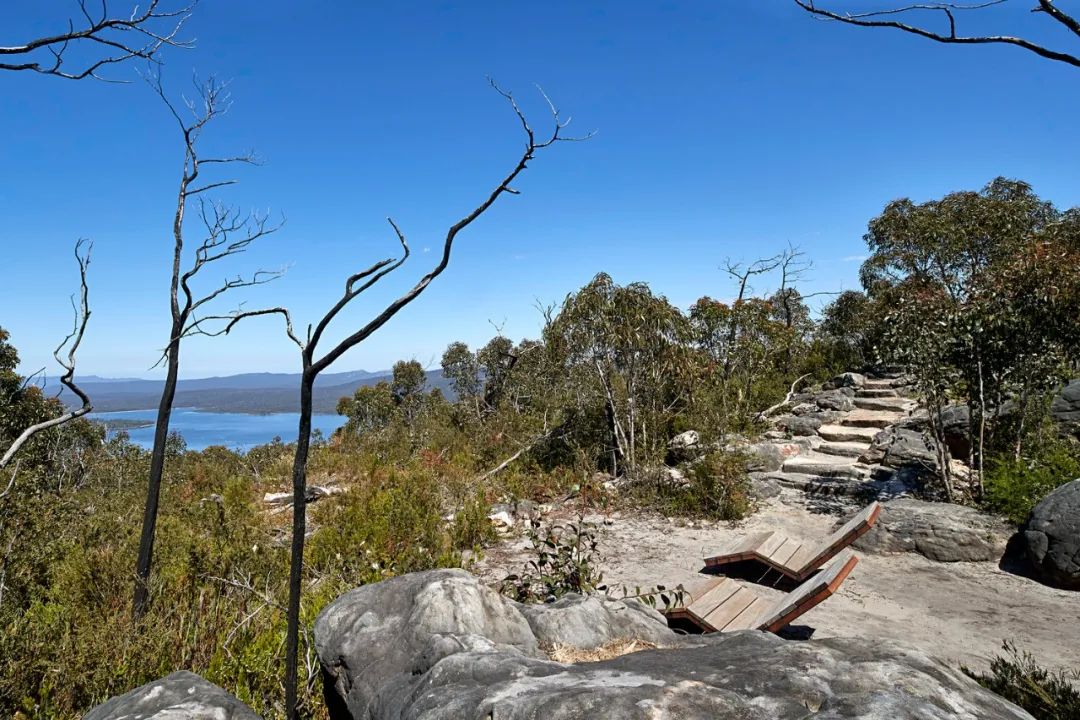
(794, 559)
(724, 605)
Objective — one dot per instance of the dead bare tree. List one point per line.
(109, 39)
(65, 356)
(226, 232)
(949, 12)
(312, 364)
(743, 275)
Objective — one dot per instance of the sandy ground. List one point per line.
(959, 612)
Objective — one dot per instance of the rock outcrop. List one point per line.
(938, 531)
(1052, 537)
(440, 646)
(1065, 408)
(181, 695)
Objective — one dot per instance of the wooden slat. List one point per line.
(766, 548)
(741, 549)
(848, 533)
(751, 616)
(730, 608)
(782, 555)
(809, 594)
(797, 562)
(713, 598)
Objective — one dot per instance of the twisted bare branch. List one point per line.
(66, 359)
(142, 34)
(949, 10)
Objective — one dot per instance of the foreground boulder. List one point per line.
(439, 645)
(179, 696)
(939, 531)
(1052, 537)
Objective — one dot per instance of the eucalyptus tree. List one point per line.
(978, 288)
(224, 233)
(313, 363)
(624, 350)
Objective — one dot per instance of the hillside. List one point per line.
(253, 393)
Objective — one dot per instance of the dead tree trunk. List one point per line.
(312, 366)
(227, 233)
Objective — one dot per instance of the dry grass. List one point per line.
(572, 655)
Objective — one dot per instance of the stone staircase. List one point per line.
(832, 461)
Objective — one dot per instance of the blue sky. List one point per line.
(724, 129)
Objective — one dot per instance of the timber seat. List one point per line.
(792, 558)
(723, 605)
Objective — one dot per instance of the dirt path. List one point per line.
(960, 612)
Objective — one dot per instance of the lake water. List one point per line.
(236, 431)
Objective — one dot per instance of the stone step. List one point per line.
(843, 449)
(818, 485)
(877, 383)
(824, 465)
(865, 392)
(896, 404)
(870, 419)
(842, 433)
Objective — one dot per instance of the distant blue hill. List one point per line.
(254, 393)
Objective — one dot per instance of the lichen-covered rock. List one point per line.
(899, 447)
(179, 696)
(387, 658)
(1052, 537)
(939, 531)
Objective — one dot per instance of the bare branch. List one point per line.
(66, 360)
(949, 10)
(532, 145)
(142, 34)
(786, 401)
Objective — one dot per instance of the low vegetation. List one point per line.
(1017, 677)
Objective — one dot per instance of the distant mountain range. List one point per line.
(254, 393)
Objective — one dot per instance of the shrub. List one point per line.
(1013, 487)
(716, 487)
(563, 561)
(1045, 694)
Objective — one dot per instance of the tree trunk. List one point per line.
(141, 600)
(296, 564)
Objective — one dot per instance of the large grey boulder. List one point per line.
(846, 380)
(390, 654)
(840, 399)
(899, 447)
(799, 425)
(1065, 408)
(1052, 536)
(179, 696)
(939, 531)
(684, 447)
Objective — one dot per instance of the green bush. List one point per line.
(1013, 487)
(1045, 694)
(716, 488)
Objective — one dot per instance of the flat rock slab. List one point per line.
(447, 675)
(179, 696)
(1052, 537)
(847, 433)
(871, 418)
(939, 531)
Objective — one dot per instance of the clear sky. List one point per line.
(726, 128)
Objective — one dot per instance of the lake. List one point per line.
(236, 431)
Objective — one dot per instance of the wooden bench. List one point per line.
(792, 558)
(724, 605)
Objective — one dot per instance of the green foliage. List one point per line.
(716, 488)
(1045, 694)
(1013, 486)
(563, 560)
